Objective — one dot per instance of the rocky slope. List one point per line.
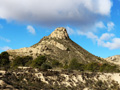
(56, 46)
(35, 79)
(114, 59)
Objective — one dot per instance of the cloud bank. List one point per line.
(55, 12)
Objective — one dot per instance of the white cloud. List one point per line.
(106, 36)
(107, 40)
(70, 30)
(88, 35)
(113, 44)
(5, 48)
(92, 36)
(31, 29)
(100, 25)
(110, 26)
(4, 39)
(52, 12)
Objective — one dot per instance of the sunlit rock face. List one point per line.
(114, 59)
(59, 33)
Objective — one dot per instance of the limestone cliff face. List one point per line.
(57, 46)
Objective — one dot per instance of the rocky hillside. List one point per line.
(114, 59)
(57, 46)
(34, 79)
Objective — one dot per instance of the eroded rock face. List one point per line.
(59, 33)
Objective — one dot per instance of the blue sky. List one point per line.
(93, 24)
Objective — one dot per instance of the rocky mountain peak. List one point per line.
(59, 33)
(56, 46)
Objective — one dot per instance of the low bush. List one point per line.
(56, 63)
(74, 65)
(45, 66)
(105, 67)
(93, 66)
(38, 61)
(4, 55)
(21, 61)
(109, 68)
(68, 49)
(4, 59)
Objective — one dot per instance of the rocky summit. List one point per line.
(56, 46)
(59, 33)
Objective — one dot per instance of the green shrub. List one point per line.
(108, 68)
(4, 62)
(38, 61)
(92, 67)
(18, 61)
(66, 66)
(99, 58)
(75, 65)
(42, 58)
(4, 55)
(29, 63)
(97, 67)
(4, 59)
(56, 63)
(45, 66)
(68, 49)
(27, 60)
(21, 61)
